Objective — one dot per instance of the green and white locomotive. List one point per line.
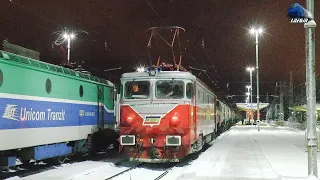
(49, 112)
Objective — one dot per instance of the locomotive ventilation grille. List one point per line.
(127, 140)
(173, 140)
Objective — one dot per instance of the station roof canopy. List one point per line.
(303, 108)
(247, 106)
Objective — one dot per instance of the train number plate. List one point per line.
(152, 120)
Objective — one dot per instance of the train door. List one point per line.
(196, 98)
(214, 104)
(100, 107)
(117, 97)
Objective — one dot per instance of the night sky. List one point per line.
(117, 36)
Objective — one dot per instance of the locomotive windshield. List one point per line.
(137, 90)
(169, 89)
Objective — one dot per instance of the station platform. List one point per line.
(243, 152)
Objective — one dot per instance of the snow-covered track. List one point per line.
(35, 168)
(183, 162)
(129, 169)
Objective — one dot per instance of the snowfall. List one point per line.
(243, 152)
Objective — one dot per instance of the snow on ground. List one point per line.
(79, 171)
(240, 153)
(245, 153)
(139, 174)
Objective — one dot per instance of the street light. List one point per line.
(248, 87)
(247, 101)
(68, 37)
(256, 32)
(250, 69)
(140, 69)
(311, 91)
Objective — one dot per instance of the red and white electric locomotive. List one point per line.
(166, 114)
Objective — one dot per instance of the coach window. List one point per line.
(169, 89)
(81, 91)
(189, 90)
(48, 85)
(137, 90)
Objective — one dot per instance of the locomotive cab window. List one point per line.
(137, 90)
(189, 90)
(169, 89)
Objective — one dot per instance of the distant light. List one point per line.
(71, 36)
(141, 69)
(250, 69)
(247, 94)
(248, 87)
(253, 30)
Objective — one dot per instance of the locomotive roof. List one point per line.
(168, 74)
(161, 74)
(51, 67)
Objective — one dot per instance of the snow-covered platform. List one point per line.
(242, 153)
(246, 153)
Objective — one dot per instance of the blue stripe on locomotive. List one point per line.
(18, 114)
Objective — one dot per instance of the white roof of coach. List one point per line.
(161, 74)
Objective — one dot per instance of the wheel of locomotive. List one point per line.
(60, 159)
(56, 160)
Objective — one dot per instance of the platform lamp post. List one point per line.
(257, 32)
(251, 69)
(68, 37)
(248, 101)
(310, 27)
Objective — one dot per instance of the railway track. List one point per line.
(127, 170)
(184, 162)
(34, 168)
(158, 170)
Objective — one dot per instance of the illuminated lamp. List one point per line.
(129, 119)
(175, 121)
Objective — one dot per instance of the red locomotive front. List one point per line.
(166, 114)
(157, 121)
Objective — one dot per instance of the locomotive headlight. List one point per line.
(129, 119)
(175, 120)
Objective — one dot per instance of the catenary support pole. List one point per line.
(311, 93)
